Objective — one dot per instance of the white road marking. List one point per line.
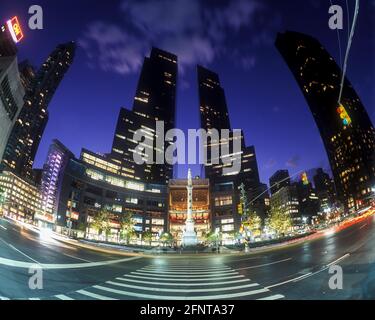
(4, 298)
(27, 265)
(34, 299)
(93, 295)
(184, 284)
(24, 254)
(265, 264)
(186, 272)
(185, 268)
(63, 297)
(339, 259)
(186, 280)
(274, 297)
(310, 274)
(181, 290)
(3, 227)
(291, 280)
(158, 297)
(70, 256)
(139, 272)
(363, 226)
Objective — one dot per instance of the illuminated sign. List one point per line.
(305, 179)
(74, 216)
(15, 29)
(346, 120)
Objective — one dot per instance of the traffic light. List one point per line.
(240, 208)
(346, 120)
(305, 179)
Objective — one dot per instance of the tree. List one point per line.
(280, 221)
(147, 236)
(101, 222)
(212, 238)
(167, 238)
(253, 223)
(127, 224)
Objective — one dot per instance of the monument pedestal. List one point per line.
(189, 237)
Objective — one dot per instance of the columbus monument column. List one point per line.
(189, 237)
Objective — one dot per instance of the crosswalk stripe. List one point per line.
(184, 284)
(274, 297)
(34, 298)
(185, 280)
(140, 272)
(182, 290)
(160, 297)
(4, 298)
(63, 297)
(186, 268)
(187, 272)
(95, 296)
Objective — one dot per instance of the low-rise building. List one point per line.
(21, 199)
(93, 183)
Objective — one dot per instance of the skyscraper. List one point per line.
(155, 100)
(278, 180)
(27, 132)
(346, 130)
(225, 195)
(11, 98)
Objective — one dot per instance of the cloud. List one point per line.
(271, 163)
(293, 162)
(194, 30)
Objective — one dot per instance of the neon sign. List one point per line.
(346, 120)
(15, 29)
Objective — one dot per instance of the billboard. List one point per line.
(15, 29)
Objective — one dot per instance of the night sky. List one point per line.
(233, 38)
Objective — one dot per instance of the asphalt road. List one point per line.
(299, 271)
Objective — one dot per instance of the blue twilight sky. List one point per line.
(234, 38)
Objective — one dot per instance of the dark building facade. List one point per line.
(346, 130)
(27, 132)
(7, 46)
(309, 204)
(155, 100)
(27, 74)
(278, 180)
(224, 188)
(325, 189)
